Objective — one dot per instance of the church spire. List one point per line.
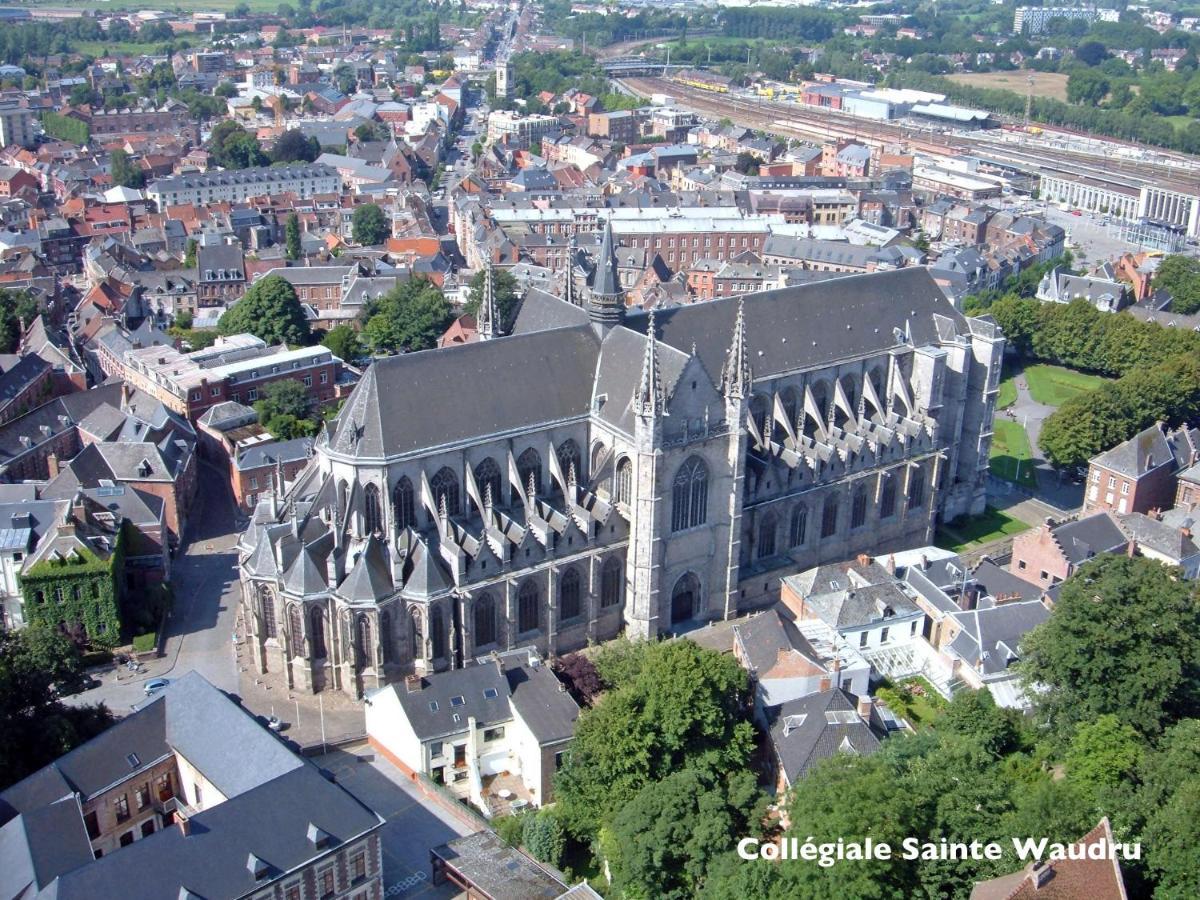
(485, 321)
(647, 400)
(736, 378)
(606, 307)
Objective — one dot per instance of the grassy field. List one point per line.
(1045, 84)
(1012, 455)
(185, 6)
(966, 534)
(1007, 394)
(1054, 385)
(1180, 122)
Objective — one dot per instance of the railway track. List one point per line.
(793, 120)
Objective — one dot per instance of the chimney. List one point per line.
(52, 464)
(413, 683)
(185, 826)
(864, 560)
(891, 564)
(825, 684)
(865, 704)
(924, 562)
(1131, 549)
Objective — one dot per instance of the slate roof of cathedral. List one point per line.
(810, 324)
(419, 400)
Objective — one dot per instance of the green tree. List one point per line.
(271, 311)
(1123, 640)
(543, 836)
(189, 254)
(1102, 753)
(36, 664)
(412, 316)
(505, 287)
(294, 146)
(343, 341)
(291, 232)
(1173, 857)
(233, 147)
(369, 226)
(285, 409)
(685, 709)
(1179, 276)
(17, 310)
(125, 173)
(1087, 86)
(663, 841)
(975, 714)
(368, 131)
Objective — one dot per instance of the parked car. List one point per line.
(154, 685)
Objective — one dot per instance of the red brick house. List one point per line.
(1140, 474)
(1051, 553)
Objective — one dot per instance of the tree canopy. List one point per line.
(233, 147)
(35, 728)
(285, 409)
(294, 146)
(343, 340)
(1123, 640)
(411, 316)
(269, 310)
(125, 173)
(1179, 276)
(369, 226)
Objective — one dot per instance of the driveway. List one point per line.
(200, 627)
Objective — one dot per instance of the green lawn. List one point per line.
(144, 643)
(966, 533)
(1012, 457)
(1007, 395)
(1055, 385)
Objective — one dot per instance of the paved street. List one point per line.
(1096, 241)
(200, 628)
(414, 825)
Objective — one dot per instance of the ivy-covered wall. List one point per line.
(82, 589)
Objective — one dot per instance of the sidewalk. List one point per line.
(309, 719)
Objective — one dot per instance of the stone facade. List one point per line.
(645, 504)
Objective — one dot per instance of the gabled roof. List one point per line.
(807, 730)
(1146, 450)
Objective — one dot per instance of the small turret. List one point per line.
(486, 319)
(736, 377)
(606, 305)
(648, 399)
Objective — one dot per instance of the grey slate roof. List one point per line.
(269, 454)
(36, 846)
(806, 325)
(1085, 538)
(500, 871)
(851, 595)
(540, 311)
(533, 691)
(1135, 457)
(371, 578)
(803, 735)
(419, 400)
(990, 637)
(765, 636)
(605, 281)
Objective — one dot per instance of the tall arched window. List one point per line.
(568, 456)
(417, 643)
(385, 636)
(612, 582)
(799, 526)
(364, 646)
(487, 475)
(403, 508)
(528, 601)
(569, 603)
(765, 545)
(858, 507)
(887, 499)
(316, 632)
(829, 516)
(689, 496)
(916, 489)
(445, 485)
(604, 485)
(625, 481)
(437, 633)
(529, 464)
(372, 510)
(296, 628)
(485, 620)
(270, 629)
